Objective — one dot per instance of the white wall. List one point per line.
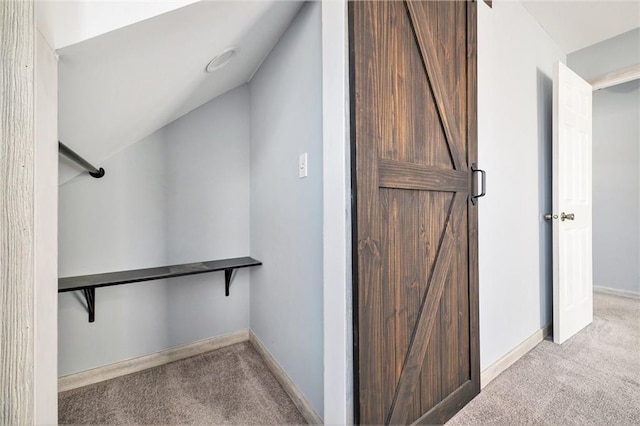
(286, 212)
(180, 195)
(515, 59)
(607, 56)
(616, 162)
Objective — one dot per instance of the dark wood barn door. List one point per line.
(413, 86)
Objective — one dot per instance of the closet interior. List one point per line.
(207, 122)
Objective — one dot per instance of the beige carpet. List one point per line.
(231, 385)
(591, 379)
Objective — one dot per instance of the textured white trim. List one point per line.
(616, 77)
(122, 368)
(19, 202)
(515, 354)
(616, 292)
(289, 386)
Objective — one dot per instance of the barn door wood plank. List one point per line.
(427, 315)
(427, 44)
(405, 175)
(370, 374)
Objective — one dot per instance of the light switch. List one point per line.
(302, 166)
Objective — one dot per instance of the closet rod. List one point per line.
(70, 154)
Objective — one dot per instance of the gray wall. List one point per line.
(286, 212)
(179, 195)
(515, 63)
(616, 163)
(182, 195)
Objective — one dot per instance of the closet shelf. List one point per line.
(88, 283)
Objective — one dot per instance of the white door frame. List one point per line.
(337, 305)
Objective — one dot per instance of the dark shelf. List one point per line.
(88, 283)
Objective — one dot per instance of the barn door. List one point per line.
(413, 82)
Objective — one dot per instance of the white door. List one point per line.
(572, 234)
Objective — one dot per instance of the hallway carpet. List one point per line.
(231, 385)
(591, 379)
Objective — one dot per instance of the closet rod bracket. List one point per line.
(98, 174)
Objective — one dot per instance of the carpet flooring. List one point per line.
(591, 379)
(231, 385)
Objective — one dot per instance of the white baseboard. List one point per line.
(292, 390)
(515, 354)
(122, 368)
(616, 292)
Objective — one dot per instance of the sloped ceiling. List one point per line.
(79, 20)
(577, 24)
(120, 87)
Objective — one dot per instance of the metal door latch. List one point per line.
(563, 216)
(568, 216)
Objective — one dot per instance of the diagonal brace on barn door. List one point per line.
(427, 314)
(427, 44)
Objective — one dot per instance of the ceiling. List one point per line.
(576, 24)
(79, 20)
(119, 87)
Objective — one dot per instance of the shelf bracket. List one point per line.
(90, 296)
(228, 275)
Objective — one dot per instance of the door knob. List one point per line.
(568, 216)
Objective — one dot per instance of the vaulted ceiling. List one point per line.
(576, 24)
(117, 86)
(121, 86)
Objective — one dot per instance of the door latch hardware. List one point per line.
(483, 191)
(567, 216)
(550, 216)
